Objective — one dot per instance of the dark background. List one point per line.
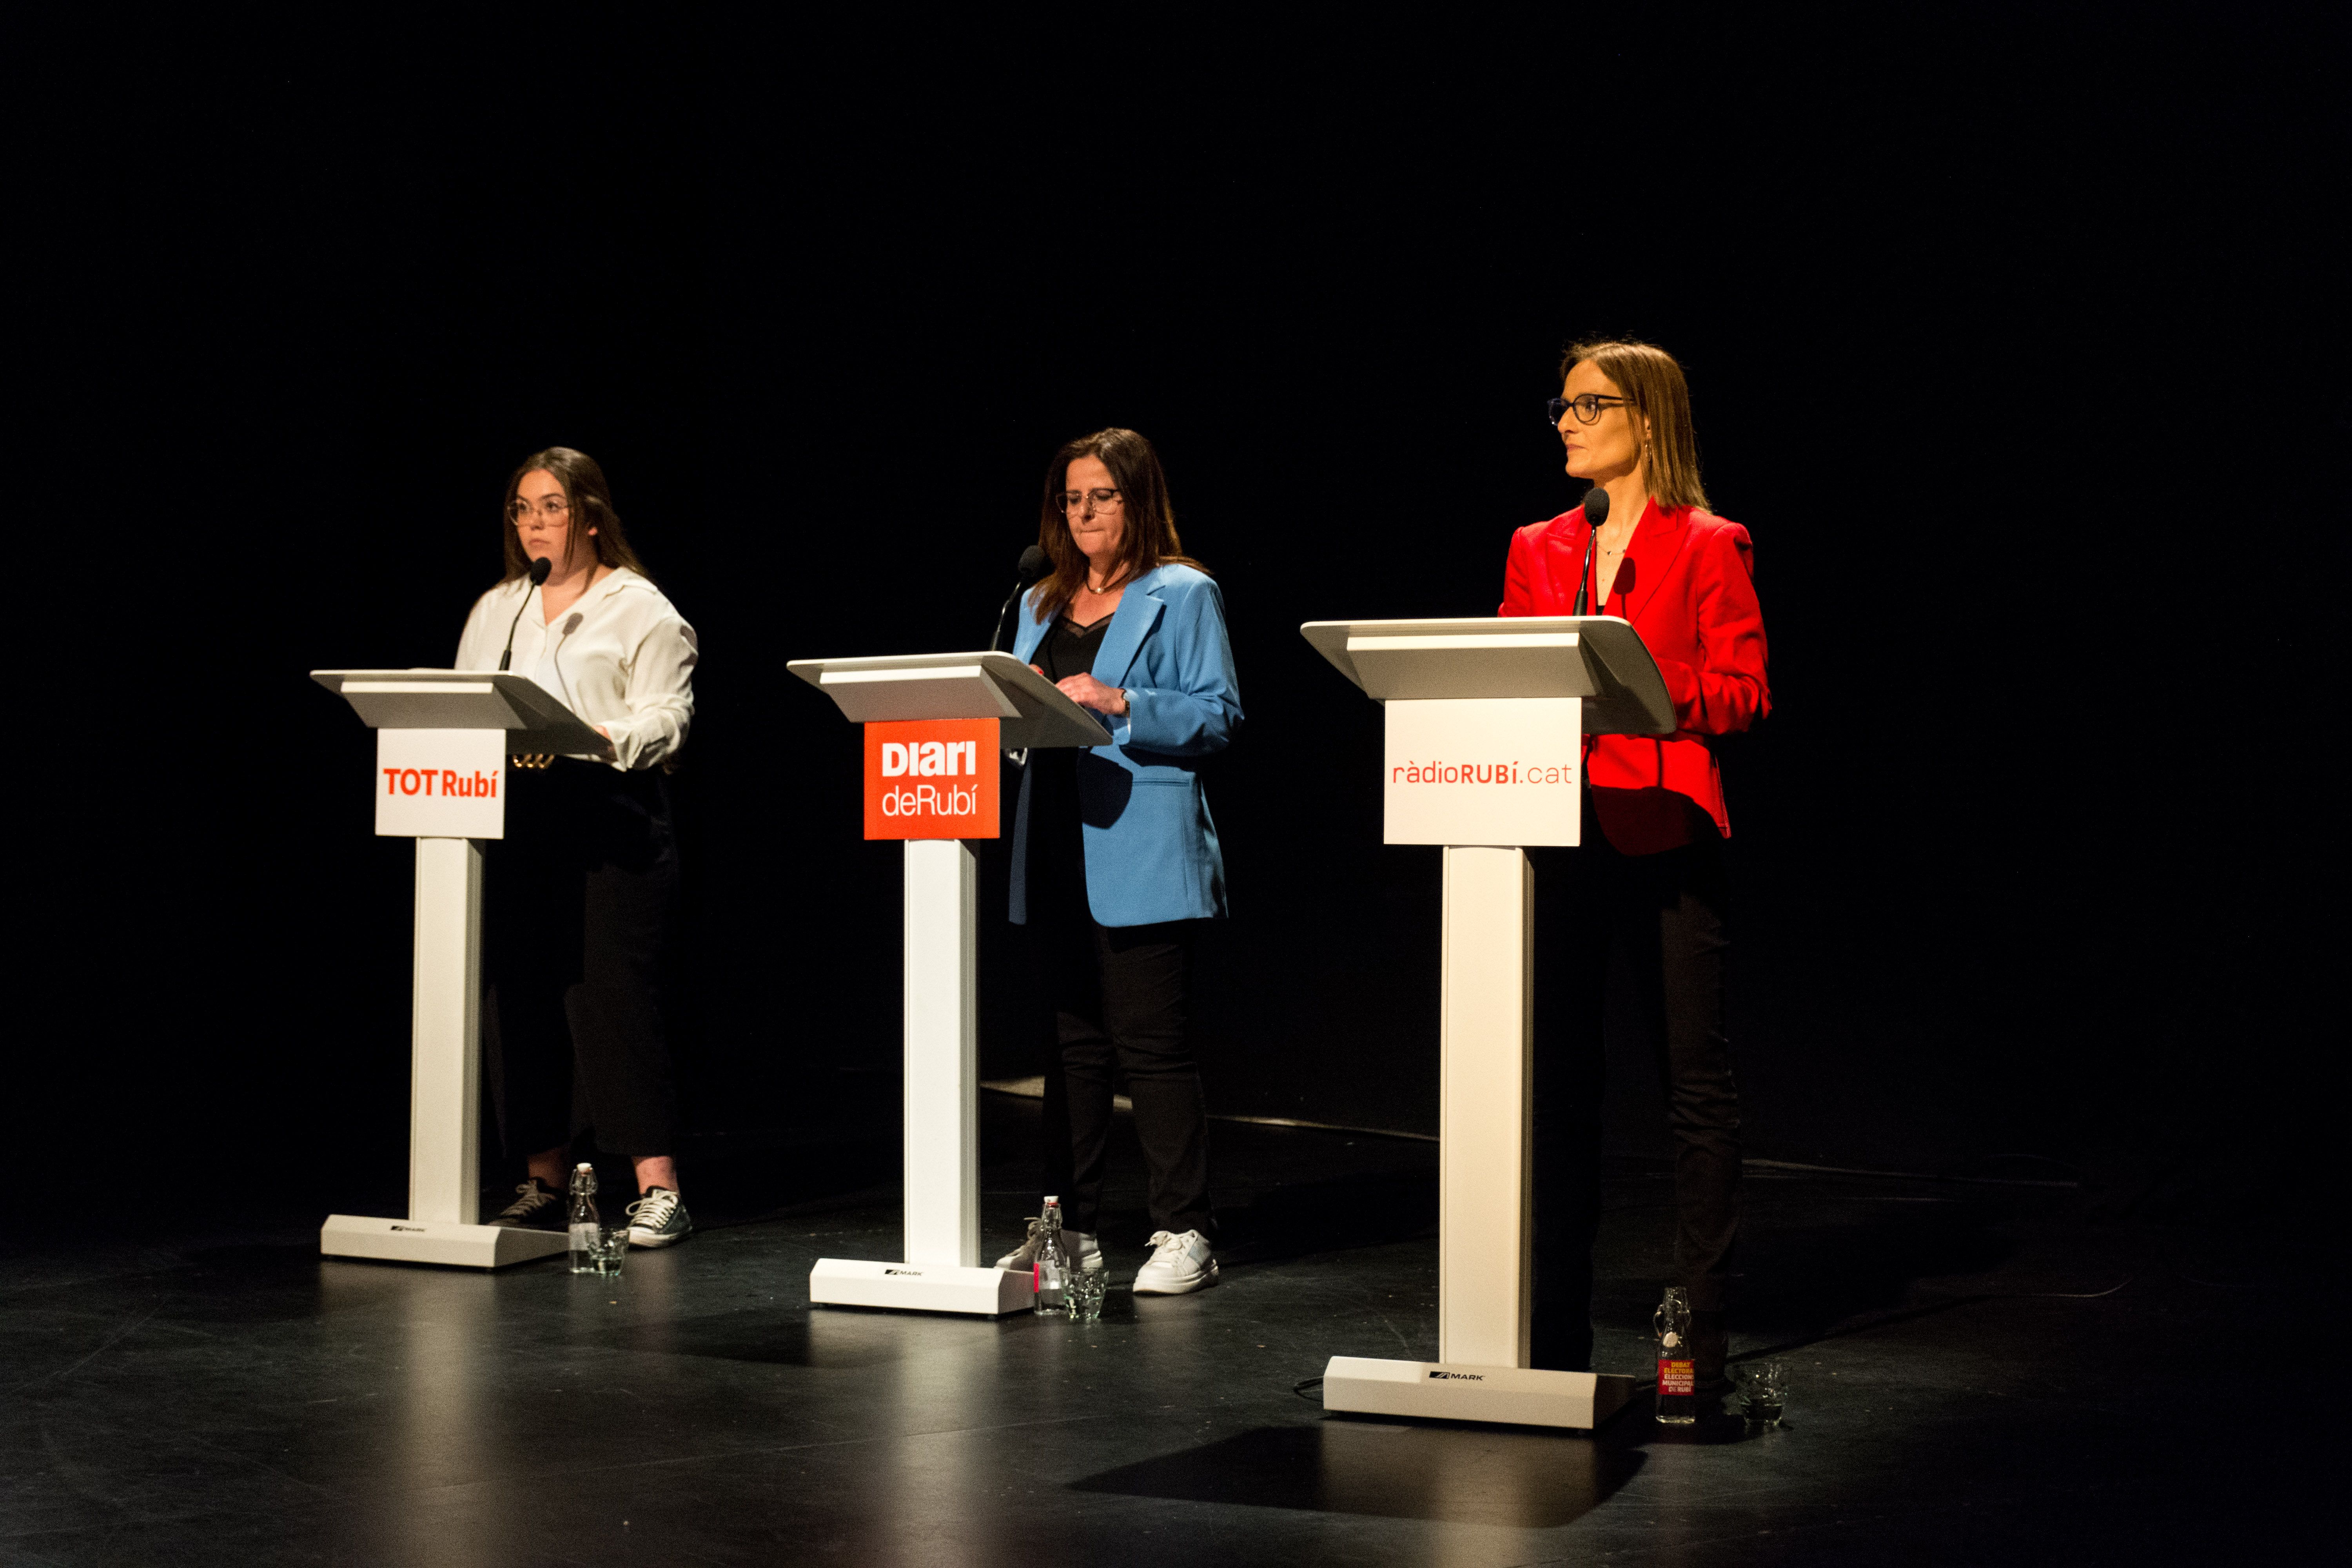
(2013, 337)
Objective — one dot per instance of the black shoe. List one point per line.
(1708, 1344)
(658, 1219)
(537, 1206)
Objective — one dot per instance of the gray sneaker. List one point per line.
(537, 1206)
(658, 1219)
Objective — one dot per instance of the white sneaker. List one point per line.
(1084, 1248)
(1179, 1265)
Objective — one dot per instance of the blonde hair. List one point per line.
(1653, 387)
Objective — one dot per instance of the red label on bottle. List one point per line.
(1676, 1376)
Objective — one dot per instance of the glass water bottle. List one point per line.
(584, 1218)
(1677, 1373)
(1053, 1266)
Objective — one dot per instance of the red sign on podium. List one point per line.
(931, 778)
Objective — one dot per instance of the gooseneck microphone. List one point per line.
(1033, 565)
(538, 570)
(1596, 512)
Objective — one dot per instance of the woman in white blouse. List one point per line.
(579, 896)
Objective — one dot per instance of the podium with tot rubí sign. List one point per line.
(934, 726)
(1485, 724)
(443, 738)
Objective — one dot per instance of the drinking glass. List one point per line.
(612, 1247)
(1764, 1392)
(1085, 1294)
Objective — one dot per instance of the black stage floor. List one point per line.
(1981, 1374)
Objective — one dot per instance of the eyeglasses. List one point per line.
(520, 511)
(1588, 406)
(1092, 500)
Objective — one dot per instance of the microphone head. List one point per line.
(541, 567)
(1033, 565)
(1596, 506)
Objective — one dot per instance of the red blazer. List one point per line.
(1687, 585)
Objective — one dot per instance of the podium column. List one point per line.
(935, 726)
(1486, 1147)
(943, 1053)
(1485, 726)
(443, 739)
(445, 1172)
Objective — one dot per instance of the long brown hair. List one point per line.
(1150, 537)
(1654, 389)
(590, 500)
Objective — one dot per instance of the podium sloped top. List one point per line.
(1598, 657)
(955, 685)
(535, 719)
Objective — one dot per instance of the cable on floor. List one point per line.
(2032, 1295)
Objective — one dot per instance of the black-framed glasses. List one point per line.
(1588, 406)
(1096, 500)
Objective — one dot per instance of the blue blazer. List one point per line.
(1151, 848)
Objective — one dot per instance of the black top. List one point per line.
(1070, 650)
(1057, 857)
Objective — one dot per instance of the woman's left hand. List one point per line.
(1087, 692)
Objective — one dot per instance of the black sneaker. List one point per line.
(537, 1206)
(1709, 1345)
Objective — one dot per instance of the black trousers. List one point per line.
(1668, 913)
(1120, 998)
(578, 903)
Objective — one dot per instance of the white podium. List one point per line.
(443, 738)
(940, 717)
(1486, 721)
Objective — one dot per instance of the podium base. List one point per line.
(456, 1245)
(918, 1286)
(1521, 1396)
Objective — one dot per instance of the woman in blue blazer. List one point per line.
(1115, 858)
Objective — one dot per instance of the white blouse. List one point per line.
(622, 657)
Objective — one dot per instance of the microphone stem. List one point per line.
(997, 644)
(506, 654)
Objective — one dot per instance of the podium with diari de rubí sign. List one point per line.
(931, 778)
(934, 726)
(1485, 724)
(443, 738)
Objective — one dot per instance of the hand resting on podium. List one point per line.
(1087, 692)
(538, 761)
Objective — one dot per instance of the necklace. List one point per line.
(1103, 589)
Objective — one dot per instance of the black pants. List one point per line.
(578, 902)
(1667, 914)
(1120, 998)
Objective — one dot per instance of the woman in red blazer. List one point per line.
(1650, 880)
